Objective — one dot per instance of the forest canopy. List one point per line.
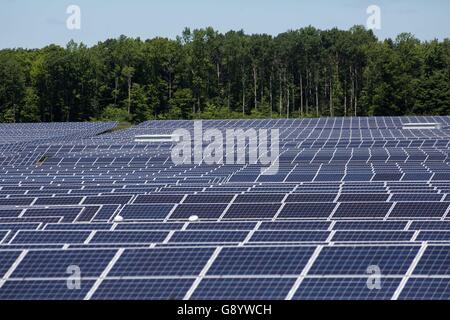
(210, 75)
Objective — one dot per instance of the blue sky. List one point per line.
(34, 24)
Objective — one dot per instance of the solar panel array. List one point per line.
(359, 209)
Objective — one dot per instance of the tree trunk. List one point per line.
(281, 96)
(170, 85)
(345, 97)
(270, 95)
(352, 91)
(317, 100)
(287, 106)
(228, 96)
(218, 75)
(331, 94)
(356, 95)
(307, 96)
(255, 88)
(243, 96)
(129, 95)
(301, 94)
(116, 85)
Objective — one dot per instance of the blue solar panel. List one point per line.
(346, 289)
(420, 209)
(140, 237)
(43, 290)
(55, 264)
(252, 211)
(143, 289)
(356, 260)
(163, 198)
(292, 236)
(364, 190)
(145, 212)
(50, 237)
(363, 197)
(362, 210)
(305, 197)
(217, 198)
(243, 289)
(435, 261)
(370, 236)
(58, 201)
(203, 211)
(307, 210)
(257, 198)
(261, 261)
(161, 262)
(7, 259)
(207, 236)
(426, 289)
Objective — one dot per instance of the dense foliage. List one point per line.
(206, 74)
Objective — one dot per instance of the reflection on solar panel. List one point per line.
(353, 199)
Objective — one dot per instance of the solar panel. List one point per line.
(362, 210)
(55, 264)
(145, 212)
(350, 194)
(356, 260)
(261, 261)
(139, 237)
(420, 210)
(43, 290)
(307, 210)
(208, 237)
(243, 289)
(50, 237)
(292, 236)
(252, 211)
(305, 197)
(370, 236)
(345, 289)
(161, 262)
(7, 259)
(203, 211)
(143, 289)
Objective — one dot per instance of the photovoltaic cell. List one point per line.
(243, 289)
(261, 261)
(419, 210)
(392, 260)
(50, 237)
(54, 264)
(143, 289)
(138, 237)
(291, 236)
(307, 210)
(203, 211)
(7, 259)
(145, 212)
(362, 210)
(207, 236)
(426, 289)
(43, 290)
(435, 261)
(161, 262)
(252, 211)
(345, 289)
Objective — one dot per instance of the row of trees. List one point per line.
(207, 74)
